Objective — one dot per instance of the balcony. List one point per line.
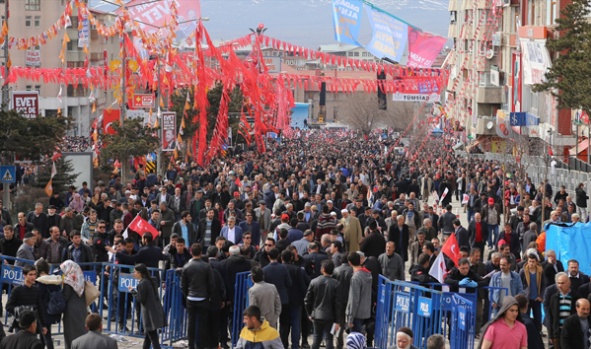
(484, 4)
(489, 95)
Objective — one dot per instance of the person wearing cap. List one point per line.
(404, 339)
(25, 251)
(26, 338)
(491, 214)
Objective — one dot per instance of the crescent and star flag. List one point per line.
(438, 269)
(452, 249)
(444, 194)
(141, 226)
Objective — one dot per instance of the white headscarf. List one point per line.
(73, 276)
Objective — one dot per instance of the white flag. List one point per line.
(465, 199)
(53, 169)
(438, 269)
(444, 194)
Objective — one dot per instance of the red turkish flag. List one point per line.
(109, 117)
(452, 249)
(141, 226)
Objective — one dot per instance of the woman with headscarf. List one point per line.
(77, 204)
(75, 312)
(505, 330)
(152, 314)
(356, 340)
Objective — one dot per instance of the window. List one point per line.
(27, 21)
(28, 88)
(37, 21)
(32, 5)
(38, 88)
(74, 20)
(72, 45)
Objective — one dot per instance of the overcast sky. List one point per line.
(305, 22)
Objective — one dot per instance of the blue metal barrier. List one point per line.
(463, 319)
(404, 304)
(243, 283)
(121, 311)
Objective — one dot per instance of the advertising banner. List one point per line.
(535, 61)
(84, 32)
(33, 58)
(347, 20)
(423, 48)
(26, 103)
(168, 131)
(389, 35)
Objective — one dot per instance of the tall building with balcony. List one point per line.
(32, 17)
(499, 54)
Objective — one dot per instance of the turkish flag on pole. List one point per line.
(452, 249)
(141, 226)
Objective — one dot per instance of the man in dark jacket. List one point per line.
(198, 286)
(399, 234)
(343, 274)
(78, 251)
(209, 229)
(322, 303)
(534, 339)
(313, 259)
(461, 234)
(571, 335)
(581, 200)
(446, 220)
(462, 276)
(374, 244)
(278, 275)
(297, 292)
(26, 338)
(9, 244)
(560, 307)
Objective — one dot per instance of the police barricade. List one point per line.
(243, 283)
(463, 318)
(116, 302)
(404, 304)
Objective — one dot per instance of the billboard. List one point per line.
(168, 131)
(347, 20)
(389, 35)
(143, 100)
(535, 61)
(26, 103)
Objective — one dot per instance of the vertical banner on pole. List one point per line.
(168, 131)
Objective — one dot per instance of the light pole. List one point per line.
(6, 99)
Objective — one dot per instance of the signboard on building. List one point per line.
(142, 100)
(26, 103)
(415, 97)
(33, 58)
(273, 64)
(495, 76)
(168, 131)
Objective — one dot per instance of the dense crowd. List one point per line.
(316, 220)
(75, 144)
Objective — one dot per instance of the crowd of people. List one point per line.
(315, 221)
(75, 144)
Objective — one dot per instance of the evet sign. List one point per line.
(26, 103)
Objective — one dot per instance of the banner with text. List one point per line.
(535, 61)
(168, 131)
(347, 20)
(26, 103)
(423, 48)
(389, 35)
(84, 32)
(156, 16)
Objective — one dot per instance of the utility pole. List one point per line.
(6, 100)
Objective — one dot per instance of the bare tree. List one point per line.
(360, 112)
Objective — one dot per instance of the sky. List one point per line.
(307, 22)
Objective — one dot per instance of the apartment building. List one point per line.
(32, 17)
(491, 77)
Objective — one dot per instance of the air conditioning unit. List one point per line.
(485, 126)
(506, 2)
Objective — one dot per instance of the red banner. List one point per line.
(423, 48)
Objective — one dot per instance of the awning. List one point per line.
(581, 147)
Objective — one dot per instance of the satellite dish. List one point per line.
(489, 125)
(489, 54)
